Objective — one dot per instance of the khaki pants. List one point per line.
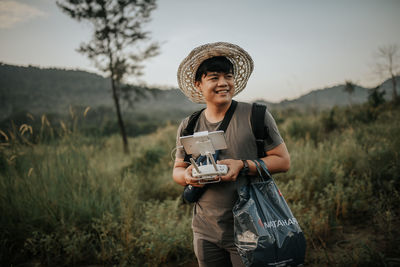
(210, 254)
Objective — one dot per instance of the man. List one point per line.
(213, 74)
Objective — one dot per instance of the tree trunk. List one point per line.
(120, 121)
(394, 83)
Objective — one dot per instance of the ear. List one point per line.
(197, 84)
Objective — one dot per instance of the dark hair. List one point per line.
(217, 64)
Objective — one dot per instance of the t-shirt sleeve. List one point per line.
(275, 138)
(180, 152)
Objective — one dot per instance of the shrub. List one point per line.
(166, 233)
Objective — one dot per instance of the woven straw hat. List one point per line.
(241, 60)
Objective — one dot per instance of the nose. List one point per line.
(222, 82)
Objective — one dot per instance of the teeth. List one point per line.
(222, 91)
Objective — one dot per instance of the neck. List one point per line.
(216, 113)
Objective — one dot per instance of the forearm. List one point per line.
(277, 160)
(276, 164)
(178, 175)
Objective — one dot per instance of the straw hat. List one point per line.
(241, 60)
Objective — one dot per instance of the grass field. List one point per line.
(72, 199)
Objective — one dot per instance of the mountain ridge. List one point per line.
(43, 90)
(329, 97)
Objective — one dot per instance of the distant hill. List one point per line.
(332, 96)
(41, 90)
(48, 90)
(326, 98)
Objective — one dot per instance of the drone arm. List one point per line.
(211, 158)
(195, 165)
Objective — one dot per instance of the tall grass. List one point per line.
(69, 199)
(344, 184)
(79, 199)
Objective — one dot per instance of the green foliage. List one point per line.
(88, 122)
(165, 235)
(77, 200)
(346, 176)
(375, 97)
(117, 27)
(65, 246)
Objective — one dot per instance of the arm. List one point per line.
(277, 160)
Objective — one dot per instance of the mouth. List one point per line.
(225, 91)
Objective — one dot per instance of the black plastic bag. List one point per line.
(266, 232)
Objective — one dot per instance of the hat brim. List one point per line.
(242, 67)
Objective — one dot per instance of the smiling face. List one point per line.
(217, 87)
(215, 80)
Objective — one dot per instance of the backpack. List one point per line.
(192, 194)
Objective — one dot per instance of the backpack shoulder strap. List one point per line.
(228, 116)
(189, 130)
(260, 131)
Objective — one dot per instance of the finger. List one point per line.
(225, 178)
(223, 161)
(191, 180)
(195, 182)
(189, 169)
(229, 177)
(198, 185)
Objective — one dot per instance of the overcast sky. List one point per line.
(297, 46)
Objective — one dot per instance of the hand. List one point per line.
(189, 178)
(234, 167)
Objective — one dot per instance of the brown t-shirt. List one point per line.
(212, 214)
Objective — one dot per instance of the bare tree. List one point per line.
(114, 47)
(388, 64)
